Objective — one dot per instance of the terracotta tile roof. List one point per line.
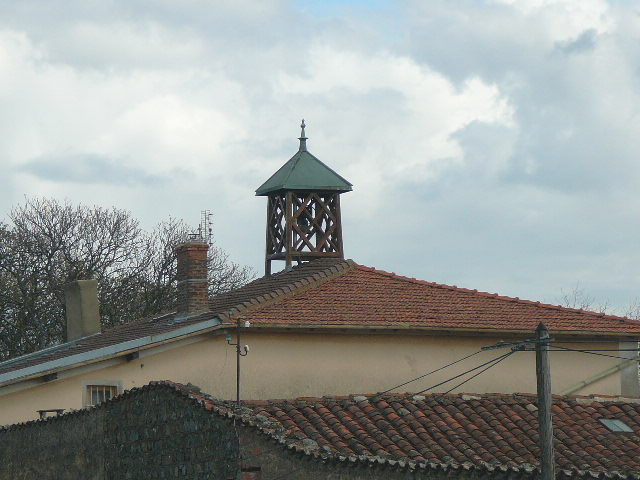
(486, 431)
(341, 293)
(263, 289)
(363, 296)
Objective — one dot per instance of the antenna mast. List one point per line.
(205, 229)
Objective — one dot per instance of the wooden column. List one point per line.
(268, 242)
(289, 230)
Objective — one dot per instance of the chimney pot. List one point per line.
(81, 302)
(193, 286)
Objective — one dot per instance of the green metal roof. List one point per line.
(304, 172)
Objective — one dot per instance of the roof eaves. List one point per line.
(319, 188)
(103, 353)
(439, 330)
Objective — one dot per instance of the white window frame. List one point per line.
(86, 401)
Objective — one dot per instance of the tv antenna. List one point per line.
(205, 229)
(204, 233)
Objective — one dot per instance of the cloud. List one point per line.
(88, 169)
(585, 42)
(492, 144)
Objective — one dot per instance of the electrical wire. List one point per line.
(379, 394)
(486, 365)
(566, 349)
(598, 341)
(500, 358)
(605, 349)
(482, 367)
(489, 364)
(497, 361)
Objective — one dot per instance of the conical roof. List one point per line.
(304, 172)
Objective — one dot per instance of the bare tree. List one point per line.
(577, 298)
(47, 244)
(633, 310)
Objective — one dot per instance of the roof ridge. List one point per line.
(294, 287)
(495, 295)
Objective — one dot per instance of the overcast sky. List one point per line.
(492, 144)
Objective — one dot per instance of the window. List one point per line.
(96, 394)
(616, 425)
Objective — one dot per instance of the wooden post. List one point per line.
(289, 233)
(338, 226)
(268, 244)
(543, 377)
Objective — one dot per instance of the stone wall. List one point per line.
(158, 433)
(63, 448)
(149, 434)
(278, 462)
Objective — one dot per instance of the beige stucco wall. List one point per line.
(291, 365)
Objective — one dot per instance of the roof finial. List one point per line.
(303, 138)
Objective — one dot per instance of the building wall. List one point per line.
(155, 434)
(292, 365)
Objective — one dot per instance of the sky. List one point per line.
(493, 145)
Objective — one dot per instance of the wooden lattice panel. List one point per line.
(303, 226)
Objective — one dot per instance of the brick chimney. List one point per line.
(193, 297)
(81, 302)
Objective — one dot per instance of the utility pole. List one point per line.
(543, 378)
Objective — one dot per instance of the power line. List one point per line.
(605, 349)
(599, 341)
(497, 361)
(379, 394)
(500, 358)
(376, 396)
(482, 367)
(565, 349)
(487, 365)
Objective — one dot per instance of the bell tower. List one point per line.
(303, 210)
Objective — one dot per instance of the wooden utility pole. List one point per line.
(543, 377)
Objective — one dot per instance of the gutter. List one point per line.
(406, 327)
(104, 353)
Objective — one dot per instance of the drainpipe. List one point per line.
(599, 376)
